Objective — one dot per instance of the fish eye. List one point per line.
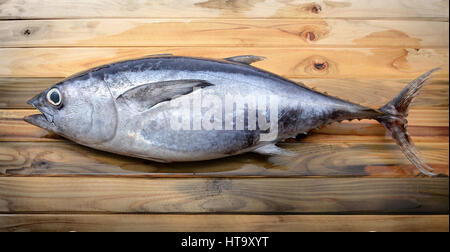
(54, 97)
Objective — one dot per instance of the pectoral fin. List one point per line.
(272, 149)
(145, 96)
(245, 59)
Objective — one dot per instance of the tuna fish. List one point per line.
(171, 109)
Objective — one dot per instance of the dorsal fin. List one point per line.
(145, 96)
(245, 59)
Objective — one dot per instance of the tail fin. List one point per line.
(394, 120)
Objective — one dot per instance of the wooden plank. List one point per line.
(363, 9)
(357, 63)
(222, 223)
(15, 92)
(351, 156)
(195, 195)
(228, 32)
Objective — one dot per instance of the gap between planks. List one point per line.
(218, 19)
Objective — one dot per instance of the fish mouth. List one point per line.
(43, 120)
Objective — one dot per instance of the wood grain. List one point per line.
(357, 63)
(222, 223)
(351, 156)
(346, 177)
(15, 92)
(195, 195)
(363, 9)
(224, 32)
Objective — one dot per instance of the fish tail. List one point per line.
(394, 120)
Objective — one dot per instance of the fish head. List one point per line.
(80, 109)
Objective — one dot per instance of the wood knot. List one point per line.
(27, 32)
(315, 32)
(321, 65)
(215, 187)
(309, 36)
(316, 65)
(316, 9)
(40, 164)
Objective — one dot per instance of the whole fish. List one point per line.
(171, 108)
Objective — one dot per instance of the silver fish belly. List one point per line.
(131, 107)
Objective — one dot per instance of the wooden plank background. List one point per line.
(347, 177)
